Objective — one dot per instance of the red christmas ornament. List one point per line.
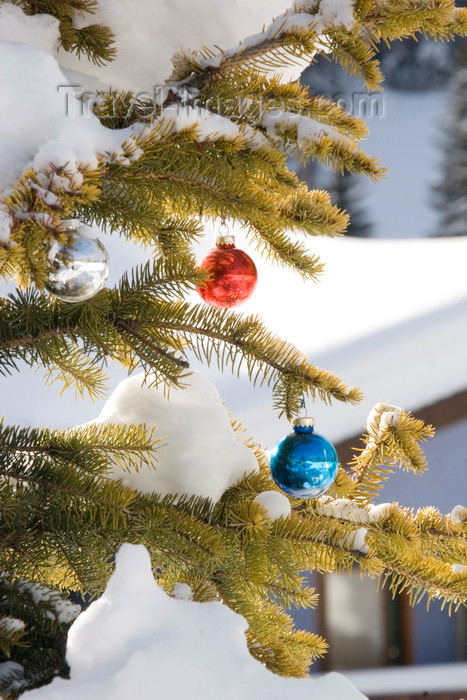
(233, 274)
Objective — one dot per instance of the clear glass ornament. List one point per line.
(304, 464)
(79, 268)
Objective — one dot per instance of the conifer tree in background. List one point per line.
(329, 80)
(450, 192)
(62, 517)
(346, 193)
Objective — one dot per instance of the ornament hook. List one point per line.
(224, 229)
(304, 421)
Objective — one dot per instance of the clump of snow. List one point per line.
(308, 130)
(381, 417)
(330, 12)
(458, 515)
(7, 667)
(5, 226)
(459, 569)
(356, 540)
(43, 125)
(62, 610)
(11, 624)
(338, 13)
(291, 351)
(201, 455)
(277, 504)
(39, 30)
(207, 123)
(344, 509)
(379, 512)
(136, 641)
(182, 591)
(11, 676)
(326, 14)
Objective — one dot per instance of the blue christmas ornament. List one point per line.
(304, 464)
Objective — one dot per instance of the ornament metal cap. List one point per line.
(305, 422)
(225, 240)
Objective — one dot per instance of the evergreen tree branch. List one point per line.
(386, 445)
(220, 178)
(160, 328)
(128, 327)
(95, 41)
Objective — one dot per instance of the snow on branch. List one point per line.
(458, 515)
(304, 19)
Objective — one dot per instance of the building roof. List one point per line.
(389, 316)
